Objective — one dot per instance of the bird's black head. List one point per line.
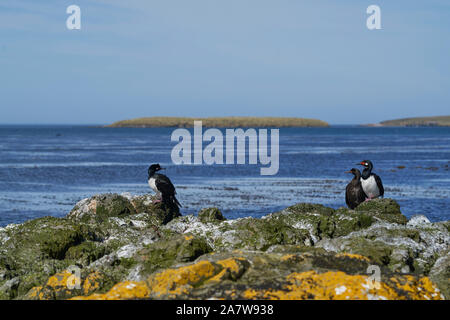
(154, 168)
(355, 172)
(366, 164)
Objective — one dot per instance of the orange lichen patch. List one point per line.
(173, 282)
(338, 286)
(63, 279)
(310, 285)
(232, 269)
(122, 291)
(353, 256)
(288, 257)
(294, 258)
(231, 264)
(91, 283)
(219, 277)
(418, 289)
(59, 285)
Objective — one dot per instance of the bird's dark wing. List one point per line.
(361, 195)
(347, 195)
(164, 185)
(379, 184)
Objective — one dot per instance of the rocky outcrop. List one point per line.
(102, 207)
(126, 247)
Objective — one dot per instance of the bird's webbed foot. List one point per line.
(158, 200)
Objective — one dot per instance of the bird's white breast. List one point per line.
(370, 187)
(152, 184)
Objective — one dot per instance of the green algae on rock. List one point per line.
(126, 247)
(383, 209)
(101, 207)
(210, 215)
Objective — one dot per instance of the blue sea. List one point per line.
(45, 170)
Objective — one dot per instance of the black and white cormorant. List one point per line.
(371, 183)
(354, 193)
(162, 185)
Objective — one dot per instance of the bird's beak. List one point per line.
(359, 164)
(162, 168)
(348, 172)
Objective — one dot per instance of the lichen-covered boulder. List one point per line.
(244, 233)
(303, 224)
(383, 210)
(69, 283)
(101, 207)
(97, 232)
(323, 222)
(165, 253)
(440, 273)
(257, 275)
(161, 212)
(86, 252)
(37, 249)
(127, 247)
(403, 248)
(132, 262)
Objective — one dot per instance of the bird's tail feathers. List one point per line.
(171, 200)
(175, 200)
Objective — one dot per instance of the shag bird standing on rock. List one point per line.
(162, 185)
(354, 193)
(371, 183)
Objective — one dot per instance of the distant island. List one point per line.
(223, 122)
(440, 121)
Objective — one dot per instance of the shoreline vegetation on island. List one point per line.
(267, 122)
(438, 121)
(219, 122)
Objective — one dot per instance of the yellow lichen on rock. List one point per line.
(232, 264)
(63, 279)
(182, 282)
(173, 282)
(353, 256)
(341, 286)
(91, 283)
(60, 284)
(232, 269)
(121, 291)
(218, 277)
(418, 289)
(170, 282)
(310, 285)
(189, 237)
(288, 257)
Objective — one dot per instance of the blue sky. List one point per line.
(300, 58)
